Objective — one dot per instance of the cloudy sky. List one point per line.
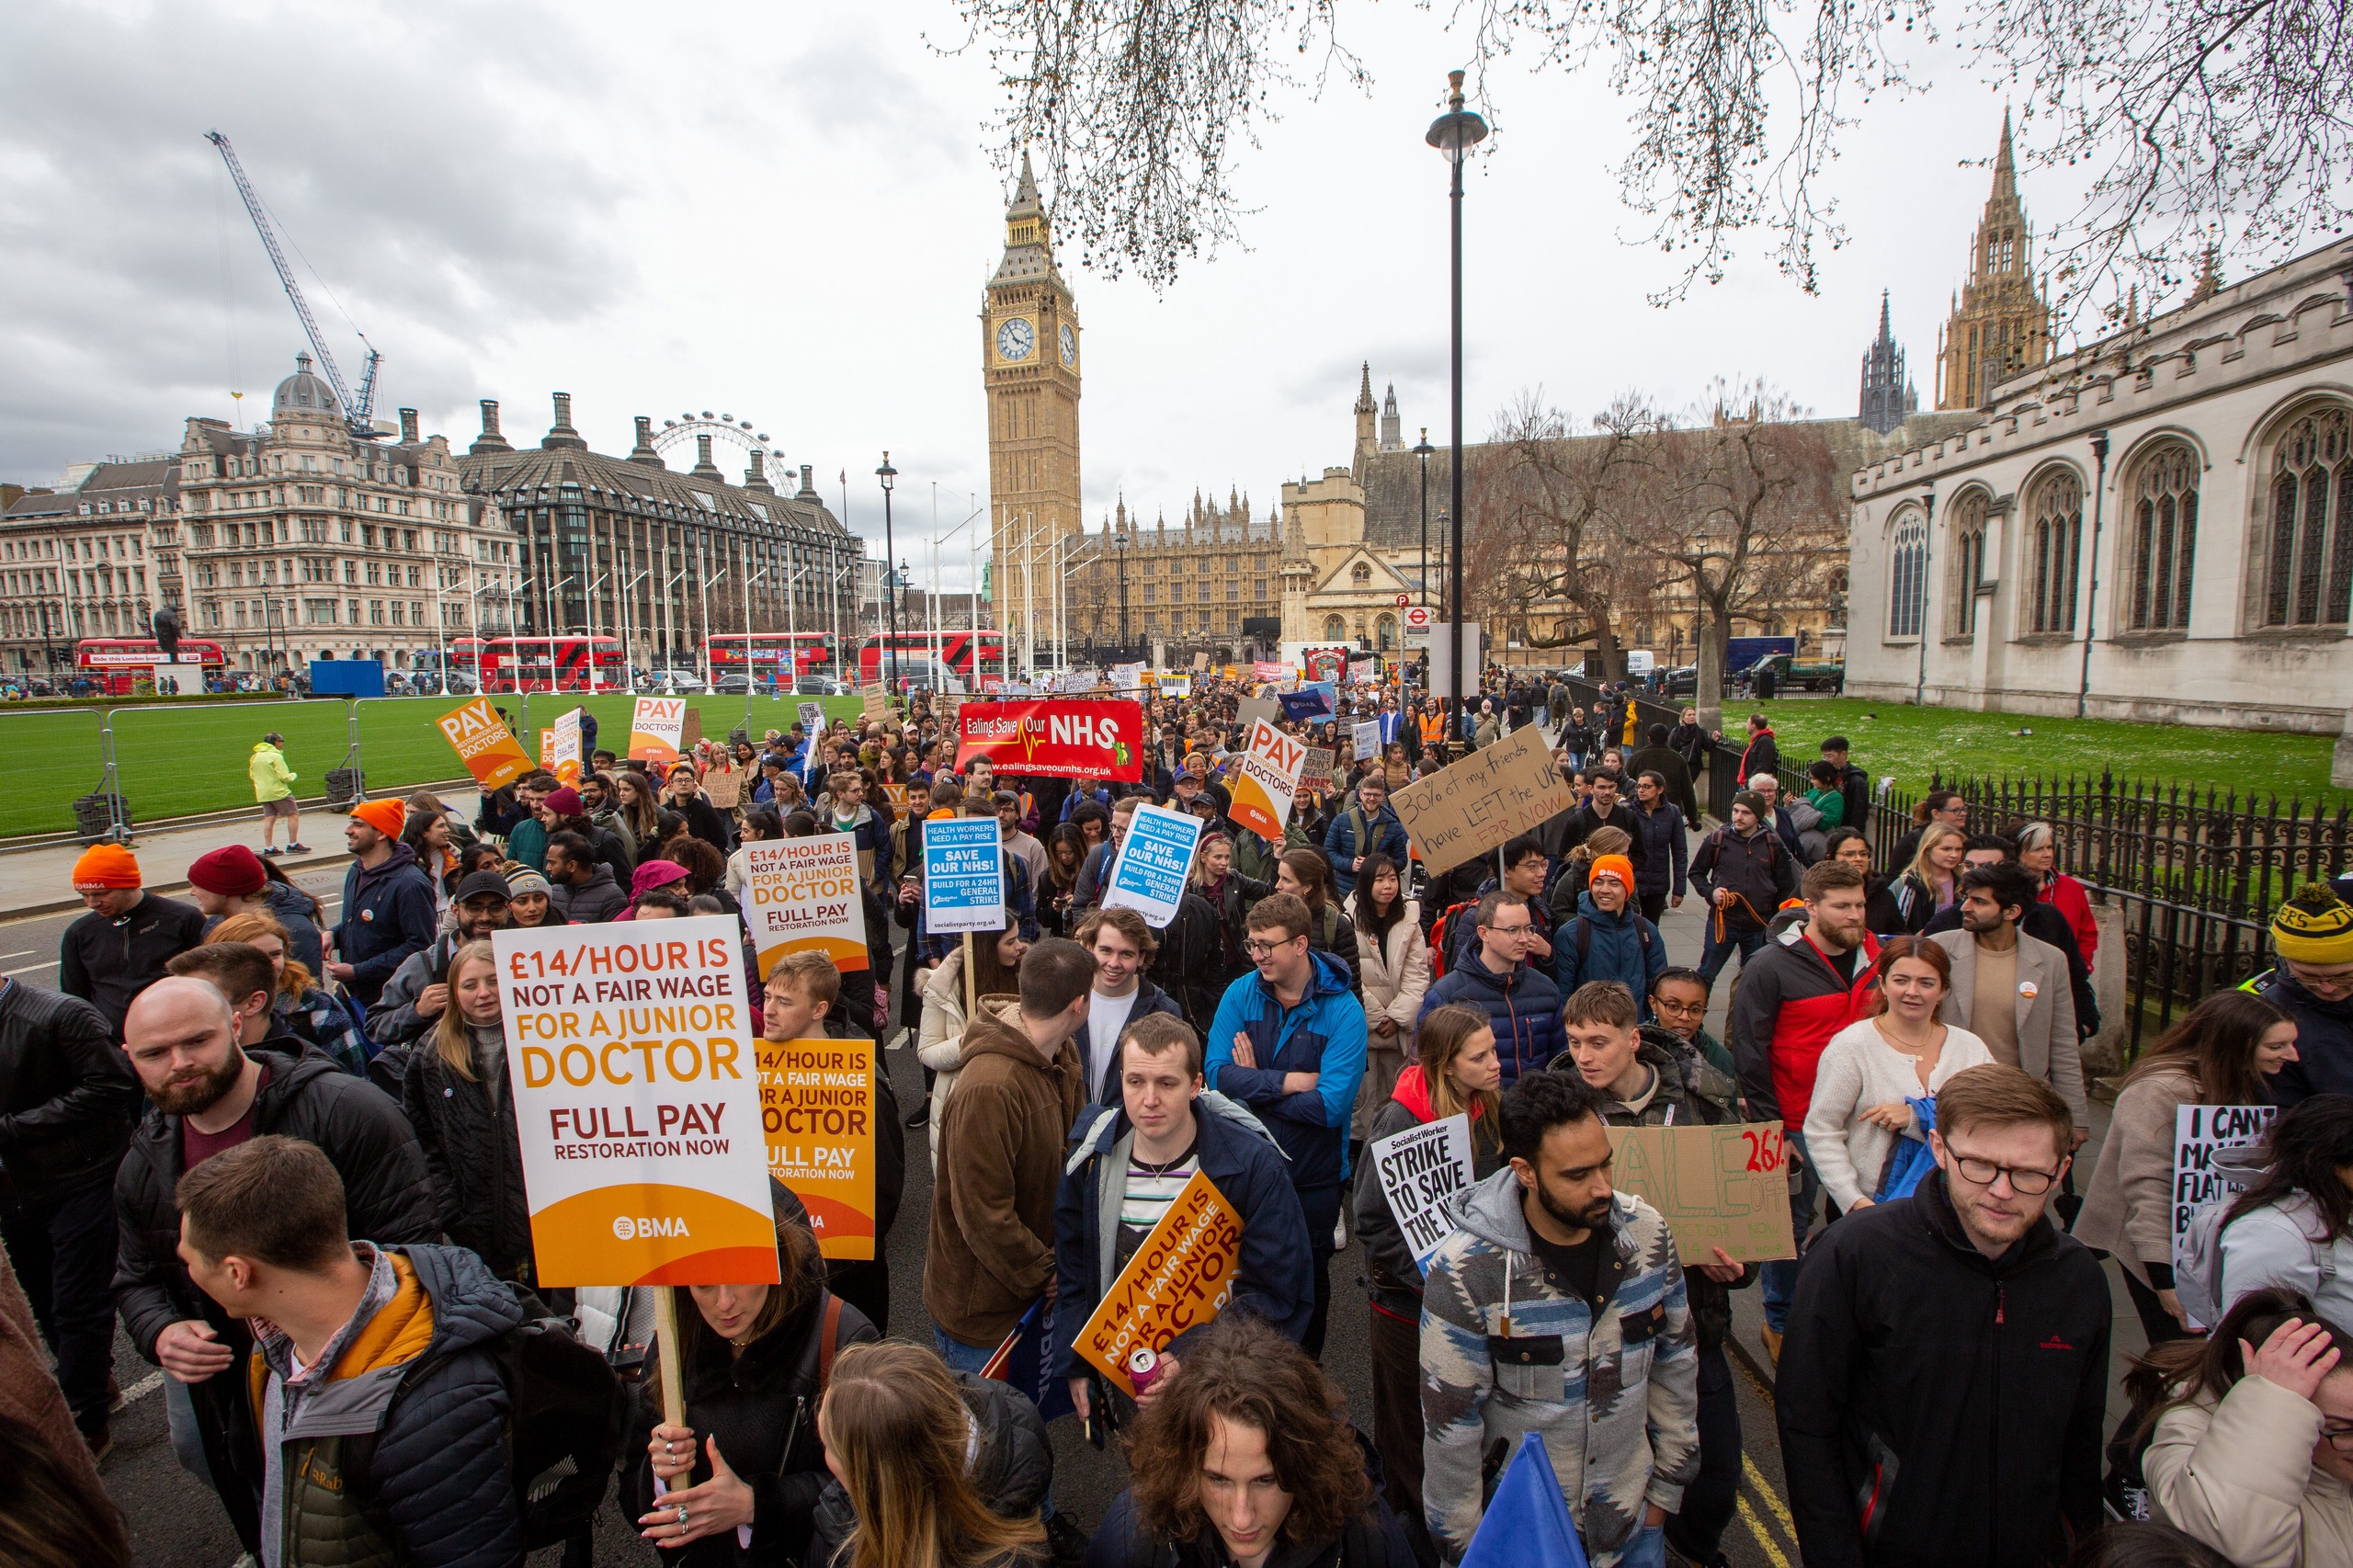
(786, 213)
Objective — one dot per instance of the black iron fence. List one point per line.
(2193, 874)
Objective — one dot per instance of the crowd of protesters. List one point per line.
(282, 1151)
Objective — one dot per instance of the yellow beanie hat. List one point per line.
(2314, 926)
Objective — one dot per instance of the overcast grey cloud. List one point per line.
(785, 211)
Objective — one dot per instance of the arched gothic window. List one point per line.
(1385, 633)
(1966, 569)
(1334, 629)
(1361, 575)
(2056, 552)
(2311, 559)
(1907, 580)
(2165, 538)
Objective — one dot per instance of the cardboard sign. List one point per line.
(1251, 709)
(1422, 1169)
(1368, 738)
(1181, 1277)
(872, 702)
(1489, 797)
(690, 730)
(1201, 661)
(1148, 873)
(655, 728)
(801, 895)
(564, 749)
(723, 787)
(485, 743)
(817, 1109)
(628, 1053)
(2199, 1132)
(1316, 772)
(1127, 677)
(1716, 1186)
(963, 875)
(812, 720)
(1054, 739)
(1266, 781)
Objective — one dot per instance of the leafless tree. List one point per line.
(2209, 124)
(1749, 519)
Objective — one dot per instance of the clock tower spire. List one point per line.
(1029, 372)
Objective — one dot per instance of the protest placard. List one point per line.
(1441, 681)
(1092, 739)
(1127, 677)
(1176, 686)
(1266, 781)
(485, 744)
(629, 1054)
(1421, 1169)
(1360, 670)
(1181, 1277)
(1716, 1186)
(801, 895)
(1251, 709)
(817, 1109)
(1315, 773)
(1148, 873)
(964, 876)
(1201, 661)
(547, 749)
(2200, 1131)
(812, 720)
(723, 787)
(564, 750)
(1489, 797)
(690, 730)
(1269, 669)
(1368, 738)
(1312, 701)
(872, 702)
(655, 726)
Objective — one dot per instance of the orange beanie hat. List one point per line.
(387, 817)
(1615, 866)
(104, 866)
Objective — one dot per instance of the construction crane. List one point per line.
(357, 413)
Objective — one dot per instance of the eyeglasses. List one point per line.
(1523, 932)
(2339, 1437)
(2026, 1181)
(1257, 949)
(1682, 1009)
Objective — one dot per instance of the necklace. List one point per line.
(1896, 1043)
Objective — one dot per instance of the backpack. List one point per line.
(1443, 930)
(563, 1428)
(1584, 939)
(2197, 1261)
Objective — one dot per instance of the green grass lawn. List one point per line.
(1913, 743)
(175, 761)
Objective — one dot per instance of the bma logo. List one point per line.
(629, 1229)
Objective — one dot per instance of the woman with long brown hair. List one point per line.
(752, 1360)
(2222, 1051)
(1248, 1457)
(1455, 1073)
(898, 1428)
(304, 1011)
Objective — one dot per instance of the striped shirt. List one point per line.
(1149, 1190)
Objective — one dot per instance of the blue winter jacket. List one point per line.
(1524, 1007)
(1622, 947)
(1275, 1276)
(387, 915)
(1382, 835)
(1323, 1035)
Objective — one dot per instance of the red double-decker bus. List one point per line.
(465, 657)
(554, 664)
(115, 662)
(957, 649)
(764, 654)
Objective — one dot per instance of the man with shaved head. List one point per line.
(206, 1094)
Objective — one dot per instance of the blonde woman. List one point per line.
(1932, 882)
(936, 1468)
(1395, 959)
(457, 1097)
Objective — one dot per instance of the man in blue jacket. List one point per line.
(1133, 1159)
(1519, 997)
(387, 905)
(1369, 828)
(1289, 1043)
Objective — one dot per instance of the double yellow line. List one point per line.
(1755, 1483)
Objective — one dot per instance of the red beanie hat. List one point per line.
(387, 817)
(233, 871)
(104, 866)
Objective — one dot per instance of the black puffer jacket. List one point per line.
(1012, 1464)
(65, 1094)
(762, 1406)
(107, 962)
(1191, 957)
(473, 1156)
(386, 1196)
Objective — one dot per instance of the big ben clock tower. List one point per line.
(1030, 367)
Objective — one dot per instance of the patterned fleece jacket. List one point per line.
(1507, 1347)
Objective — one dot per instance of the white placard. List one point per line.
(1422, 1171)
(1148, 873)
(2199, 1132)
(1368, 740)
(963, 875)
(1441, 682)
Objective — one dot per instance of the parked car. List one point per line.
(675, 683)
(734, 683)
(1792, 674)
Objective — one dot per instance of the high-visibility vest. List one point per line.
(1433, 727)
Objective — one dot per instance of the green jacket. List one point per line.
(273, 780)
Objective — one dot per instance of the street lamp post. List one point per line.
(890, 476)
(2091, 601)
(1454, 133)
(1423, 452)
(1119, 546)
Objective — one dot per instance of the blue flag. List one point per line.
(1308, 702)
(1527, 1525)
(1021, 1362)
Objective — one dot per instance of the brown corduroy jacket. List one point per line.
(991, 1251)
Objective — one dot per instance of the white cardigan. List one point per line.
(1859, 1069)
(1397, 974)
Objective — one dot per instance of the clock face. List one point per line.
(1016, 339)
(1070, 345)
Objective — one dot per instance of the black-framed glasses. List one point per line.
(1257, 949)
(2024, 1180)
(2339, 1437)
(1523, 932)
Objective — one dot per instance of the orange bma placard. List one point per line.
(485, 744)
(1179, 1279)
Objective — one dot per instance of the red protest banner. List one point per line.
(1053, 739)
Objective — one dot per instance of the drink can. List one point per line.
(1143, 1366)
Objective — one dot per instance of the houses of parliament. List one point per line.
(1328, 560)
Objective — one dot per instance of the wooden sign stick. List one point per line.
(666, 1347)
